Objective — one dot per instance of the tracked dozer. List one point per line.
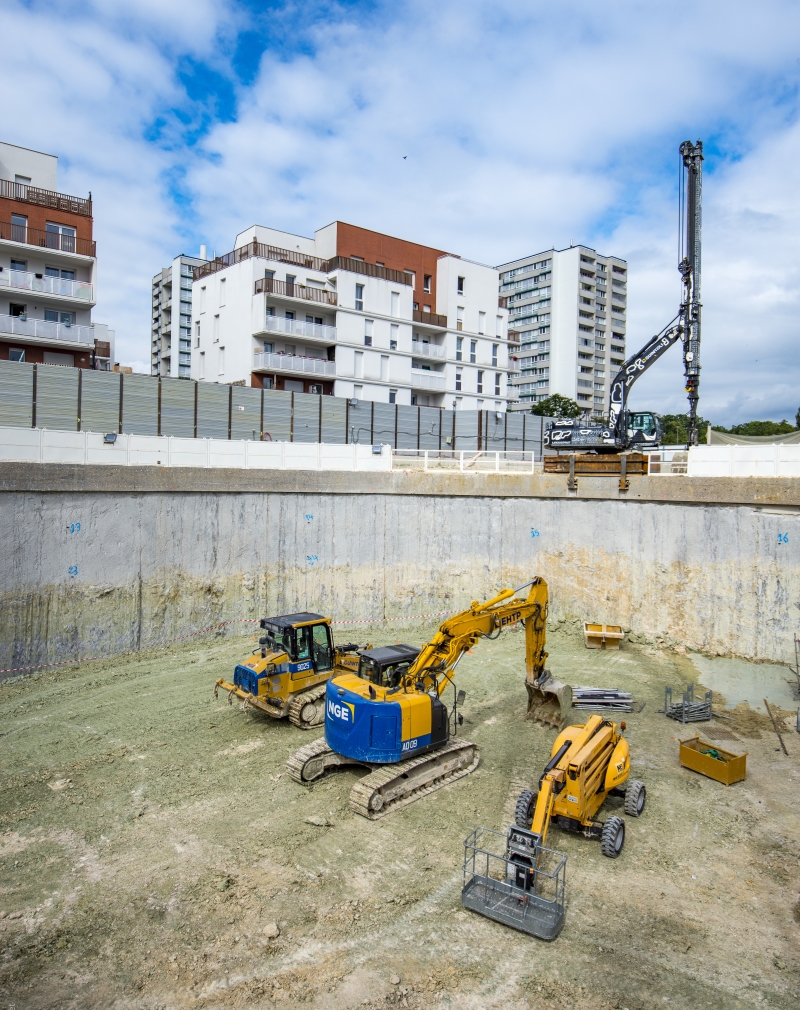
(286, 678)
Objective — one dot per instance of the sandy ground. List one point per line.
(149, 838)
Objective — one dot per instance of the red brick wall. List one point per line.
(39, 216)
(35, 355)
(256, 381)
(394, 253)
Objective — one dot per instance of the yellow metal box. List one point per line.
(726, 767)
(602, 636)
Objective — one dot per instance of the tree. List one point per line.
(676, 428)
(759, 428)
(797, 418)
(557, 406)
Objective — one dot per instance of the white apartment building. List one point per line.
(354, 313)
(567, 309)
(48, 267)
(171, 344)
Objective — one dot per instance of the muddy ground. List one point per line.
(149, 838)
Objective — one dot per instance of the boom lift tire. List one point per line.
(307, 709)
(523, 814)
(635, 796)
(613, 837)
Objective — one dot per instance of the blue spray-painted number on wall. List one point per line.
(74, 527)
(312, 560)
(535, 533)
(308, 517)
(72, 570)
(783, 538)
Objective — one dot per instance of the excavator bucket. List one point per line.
(549, 701)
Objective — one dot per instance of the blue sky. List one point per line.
(525, 126)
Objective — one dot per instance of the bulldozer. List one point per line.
(587, 764)
(287, 676)
(389, 716)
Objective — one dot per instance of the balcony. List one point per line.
(430, 319)
(420, 348)
(421, 379)
(297, 328)
(502, 302)
(293, 363)
(41, 329)
(45, 198)
(47, 239)
(21, 280)
(266, 285)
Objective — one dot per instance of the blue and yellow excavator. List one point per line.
(389, 716)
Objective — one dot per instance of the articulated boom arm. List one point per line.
(433, 669)
(634, 367)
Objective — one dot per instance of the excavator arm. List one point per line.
(634, 367)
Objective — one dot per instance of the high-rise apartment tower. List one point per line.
(171, 344)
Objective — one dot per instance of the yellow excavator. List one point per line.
(287, 676)
(389, 717)
(587, 764)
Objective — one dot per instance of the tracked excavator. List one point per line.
(287, 676)
(389, 716)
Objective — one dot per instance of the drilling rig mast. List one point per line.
(690, 272)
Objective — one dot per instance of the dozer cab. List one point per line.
(287, 676)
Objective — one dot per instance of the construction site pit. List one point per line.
(156, 855)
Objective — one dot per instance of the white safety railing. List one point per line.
(300, 328)
(744, 461)
(466, 461)
(293, 363)
(421, 379)
(40, 445)
(24, 280)
(45, 330)
(427, 350)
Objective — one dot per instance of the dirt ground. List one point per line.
(150, 838)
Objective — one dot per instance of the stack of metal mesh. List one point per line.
(687, 709)
(601, 699)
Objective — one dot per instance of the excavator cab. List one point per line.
(644, 428)
(386, 667)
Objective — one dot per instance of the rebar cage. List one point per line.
(527, 895)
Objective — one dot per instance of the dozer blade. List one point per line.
(549, 701)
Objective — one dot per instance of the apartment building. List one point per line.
(354, 313)
(48, 267)
(567, 309)
(171, 335)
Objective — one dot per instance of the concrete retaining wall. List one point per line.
(151, 562)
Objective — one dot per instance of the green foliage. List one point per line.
(676, 428)
(557, 406)
(759, 428)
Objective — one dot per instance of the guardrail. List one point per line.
(266, 285)
(45, 198)
(293, 363)
(45, 330)
(24, 280)
(54, 240)
(422, 379)
(299, 328)
(464, 461)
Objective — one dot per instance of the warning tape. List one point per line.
(205, 631)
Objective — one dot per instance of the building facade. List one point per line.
(568, 309)
(354, 313)
(171, 343)
(48, 267)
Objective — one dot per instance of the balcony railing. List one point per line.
(428, 350)
(421, 379)
(47, 239)
(45, 330)
(430, 318)
(264, 361)
(298, 328)
(266, 285)
(369, 270)
(22, 280)
(45, 198)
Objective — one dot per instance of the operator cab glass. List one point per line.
(644, 423)
(387, 666)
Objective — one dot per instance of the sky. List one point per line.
(490, 129)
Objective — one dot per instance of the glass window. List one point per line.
(359, 297)
(22, 265)
(16, 354)
(323, 654)
(303, 643)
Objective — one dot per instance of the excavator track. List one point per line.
(310, 762)
(307, 709)
(390, 787)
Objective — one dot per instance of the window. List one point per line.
(22, 180)
(323, 654)
(290, 279)
(202, 364)
(52, 316)
(394, 331)
(480, 382)
(359, 364)
(384, 368)
(585, 368)
(460, 288)
(221, 368)
(289, 315)
(222, 291)
(497, 384)
(599, 347)
(460, 317)
(481, 322)
(19, 228)
(203, 298)
(584, 396)
(392, 345)
(60, 236)
(267, 348)
(473, 348)
(459, 373)
(494, 355)
(22, 266)
(395, 303)
(426, 283)
(197, 331)
(216, 328)
(392, 396)
(459, 348)
(368, 333)
(16, 354)
(359, 297)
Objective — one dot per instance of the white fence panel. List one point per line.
(20, 445)
(63, 447)
(744, 461)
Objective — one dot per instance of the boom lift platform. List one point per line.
(287, 676)
(389, 717)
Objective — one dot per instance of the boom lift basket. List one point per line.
(512, 879)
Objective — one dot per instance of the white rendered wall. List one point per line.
(41, 169)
